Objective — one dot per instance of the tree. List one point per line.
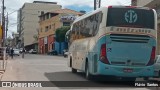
(61, 32)
(35, 37)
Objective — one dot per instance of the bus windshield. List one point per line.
(130, 17)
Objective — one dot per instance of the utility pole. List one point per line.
(20, 27)
(7, 21)
(97, 4)
(94, 4)
(3, 24)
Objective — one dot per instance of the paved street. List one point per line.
(50, 68)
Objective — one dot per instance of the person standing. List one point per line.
(23, 51)
(12, 52)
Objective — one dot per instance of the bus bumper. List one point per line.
(112, 70)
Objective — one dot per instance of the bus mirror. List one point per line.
(67, 35)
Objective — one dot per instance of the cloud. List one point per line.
(79, 8)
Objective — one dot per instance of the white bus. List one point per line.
(115, 41)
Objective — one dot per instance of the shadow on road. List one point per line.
(68, 80)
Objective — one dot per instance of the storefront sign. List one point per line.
(68, 18)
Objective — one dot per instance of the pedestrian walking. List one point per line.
(23, 51)
(12, 52)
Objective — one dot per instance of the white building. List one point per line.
(28, 20)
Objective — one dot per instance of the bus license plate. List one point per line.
(128, 70)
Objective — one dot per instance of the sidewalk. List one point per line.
(12, 69)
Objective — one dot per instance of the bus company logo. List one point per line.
(131, 16)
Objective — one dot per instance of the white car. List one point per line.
(30, 51)
(157, 66)
(16, 52)
(66, 54)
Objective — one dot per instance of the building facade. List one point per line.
(28, 20)
(140, 2)
(155, 4)
(49, 22)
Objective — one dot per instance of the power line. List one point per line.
(12, 12)
(12, 19)
(12, 24)
(11, 9)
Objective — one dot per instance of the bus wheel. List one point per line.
(131, 79)
(88, 75)
(74, 70)
(146, 78)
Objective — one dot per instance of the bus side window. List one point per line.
(80, 29)
(76, 30)
(98, 19)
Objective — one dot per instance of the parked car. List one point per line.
(33, 51)
(53, 52)
(157, 66)
(30, 51)
(16, 52)
(65, 54)
(20, 50)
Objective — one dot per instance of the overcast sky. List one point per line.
(13, 5)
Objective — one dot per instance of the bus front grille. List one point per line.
(129, 38)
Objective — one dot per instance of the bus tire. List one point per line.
(70, 62)
(132, 79)
(146, 78)
(74, 70)
(87, 74)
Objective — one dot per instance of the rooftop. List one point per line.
(60, 11)
(45, 2)
(64, 11)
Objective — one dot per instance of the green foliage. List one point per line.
(61, 32)
(35, 37)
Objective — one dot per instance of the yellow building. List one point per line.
(48, 24)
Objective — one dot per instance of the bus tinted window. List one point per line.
(130, 17)
(86, 27)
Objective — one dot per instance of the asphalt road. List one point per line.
(54, 68)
